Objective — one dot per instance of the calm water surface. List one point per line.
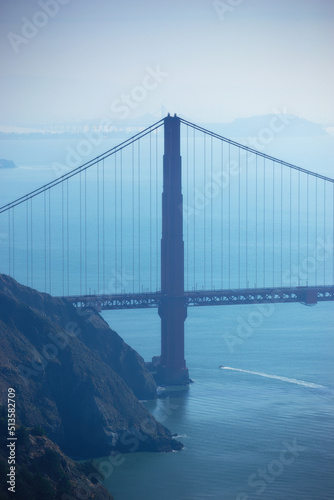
(234, 424)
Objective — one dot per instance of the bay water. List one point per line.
(259, 428)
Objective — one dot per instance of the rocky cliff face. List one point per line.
(74, 376)
(92, 330)
(43, 471)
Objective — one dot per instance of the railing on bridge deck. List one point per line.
(303, 295)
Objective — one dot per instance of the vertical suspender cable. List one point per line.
(31, 245)
(246, 203)
(156, 212)
(27, 230)
(307, 229)
(204, 187)
(9, 241)
(222, 221)
(273, 223)
(316, 225)
(80, 230)
(133, 215)
(298, 227)
(68, 236)
(187, 205)
(194, 249)
(45, 263)
(211, 223)
(264, 222)
(281, 225)
(103, 230)
(121, 194)
(290, 227)
(115, 228)
(86, 284)
(98, 223)
(239, 218)
(325, 230)
(229, 216)
(150, 161)
(13, 242)
(139, 239)
(256, 221)
(50, 264)
(62, 239)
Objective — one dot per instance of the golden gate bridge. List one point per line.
(233, 226)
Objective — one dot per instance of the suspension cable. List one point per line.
(85, 166)
(259, 153)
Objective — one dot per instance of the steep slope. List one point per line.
(64, 385)
(43, 471)
(92, 330)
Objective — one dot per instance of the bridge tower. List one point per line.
(172, 368)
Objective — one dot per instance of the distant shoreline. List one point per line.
(7, 164)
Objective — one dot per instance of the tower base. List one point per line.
(167, 376)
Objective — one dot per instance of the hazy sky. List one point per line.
(203, 59)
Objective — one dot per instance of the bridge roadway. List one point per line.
(304, 295)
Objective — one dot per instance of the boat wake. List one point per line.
(276, 377)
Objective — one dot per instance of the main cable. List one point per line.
(82, 167)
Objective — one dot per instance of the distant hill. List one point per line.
(284, 125)
(74, 376)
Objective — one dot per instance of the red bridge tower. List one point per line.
(172, 368)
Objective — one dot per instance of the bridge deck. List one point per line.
(304, 295)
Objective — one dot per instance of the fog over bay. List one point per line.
(207, 60)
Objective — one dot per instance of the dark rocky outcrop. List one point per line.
(92, 330)
(71, 376)
(43, 471)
